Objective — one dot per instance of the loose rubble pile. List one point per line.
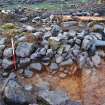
(51, 45)
(43, 42)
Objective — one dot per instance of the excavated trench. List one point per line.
(85, 86)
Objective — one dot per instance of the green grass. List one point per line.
(49, 6)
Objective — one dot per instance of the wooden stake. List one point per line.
(14, 56)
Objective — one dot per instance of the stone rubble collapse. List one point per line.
(41, 44)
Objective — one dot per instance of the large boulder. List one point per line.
(24, 49)
(15, 94)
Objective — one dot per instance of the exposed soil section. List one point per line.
(86, 86)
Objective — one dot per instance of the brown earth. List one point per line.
(85, 86)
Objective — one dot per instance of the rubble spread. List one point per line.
(45, 42)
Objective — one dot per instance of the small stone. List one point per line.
(78, 41)
(7, 64)
(35, 56)
(101, 53)
(96, 60)
(2, 41)
(98, 28)
(72, 33)
(54, 42)
(49, 53)
(28, 73)
(42, 51)
(67, 47)
(76, 52)
(59, 59)
(24, 19)
(54, 66)
(60, 49)
(8, 52)
(24, 61)
(47, 35)
(36, 66)
(5, 74)
(67, 62)
(38, 34)
(22, 39)
(24, 49)
(62, 75)
(29, 28)
(55, 29)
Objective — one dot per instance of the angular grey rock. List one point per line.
(8, 53)
(67, 62)
(42, 51)
(49, 53)
(54, 66)
(35, 56)
(28, 73)
(98, 28)
(78, 41)
(54, 97)
(14, 93)
(28, 28)
(2, 40)
(24, 19)
(38, 34)
(24, 61)
(54, 42)
(21, 39)
(72, 33)
(59, 59)
(24, 49)
(55, 29)
(7, 64)
(82, 59)
(28, 87)
(47, 35)
(36, 66)
(96, 60)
